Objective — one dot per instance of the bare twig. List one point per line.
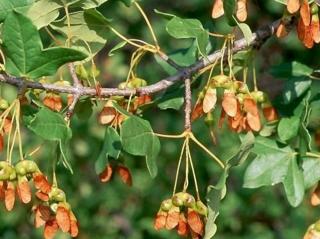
(188, 104)
(257, 40)
(76, 81)
(166, 58)
(78, 86)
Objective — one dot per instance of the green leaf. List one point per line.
(291, 69)
(183, 57)
(246, 31)
(111, 148)
(288, 127)
(189, 28)
(83, 109)
(294, 183)
(88, 4)
(43, 12)
(315, 112)
(214, 195)
(270, 166)
(171, 103)
(127, 2)
(23, 49)
(64, 146)
(117, 47)
(87, 28)
(172, 99)
(229, 9)
(295, 87)
(51, 126)
(8, 6)
(247, 143)
(311, 169)
(138, 139)
(268, 129)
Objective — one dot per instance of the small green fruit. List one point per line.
(220, 80)
(190, 201)
(209, 120)
(258, 96)
(3, 104)
(57, 195)
(166, 205)
(201, 208)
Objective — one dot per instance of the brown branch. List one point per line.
(258, 39)
(188, 104)
(78, 86)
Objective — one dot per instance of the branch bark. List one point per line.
(77, 85)
(188, 104)
(259, 37)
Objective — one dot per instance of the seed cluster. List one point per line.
(183, 213)
(51, 209)
(238, 104)
(308, 26)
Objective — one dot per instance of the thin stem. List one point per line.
(223, 50)
(314, 77)
(10, 148)
(129, 102)
(245, 74)
(178, 136)
(3, 58)
(186, 180)
(69, 25)
(194, 175)
(5, 114)
(58, 42)
(54, 166)
(216, 35)
(178, 167)
(313, 155)
(124, 38)
(149, 24)
(255, 78)
(34, 151)
(18, 129)
(230, 56)
(10, 133)
(12, 144)
(166, 58)
(207, 150)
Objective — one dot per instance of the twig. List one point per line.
(78, 86)
(166, 58)
(76, 81)
(257, 40)
(188, 104)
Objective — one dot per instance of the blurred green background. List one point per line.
(114, 211)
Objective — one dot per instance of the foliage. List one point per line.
(79, 94)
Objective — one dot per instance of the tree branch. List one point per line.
(258, 38)
(77, 85)
(188, 104)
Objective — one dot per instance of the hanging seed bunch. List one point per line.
(239, 105)
(241, 9)
(16, 181)
(308, 26)
(54, 212)
(109, 115)
(182, 213)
